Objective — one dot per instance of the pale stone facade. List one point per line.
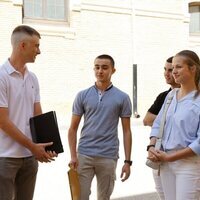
(142, 32)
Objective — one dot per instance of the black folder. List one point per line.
(44, 128)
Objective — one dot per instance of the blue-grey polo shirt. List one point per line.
(99, 134)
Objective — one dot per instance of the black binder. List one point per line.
(44, 128)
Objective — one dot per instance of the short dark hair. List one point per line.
(169, 60)
(105, 56)
(27, 30)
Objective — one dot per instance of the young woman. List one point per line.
(180, 169)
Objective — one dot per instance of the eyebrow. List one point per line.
(101, 65)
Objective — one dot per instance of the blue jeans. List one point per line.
(105, 171)
(17, 178)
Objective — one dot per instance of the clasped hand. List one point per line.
(157, 155)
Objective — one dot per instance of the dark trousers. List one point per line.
(17, 178)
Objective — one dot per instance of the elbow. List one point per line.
(144, 122)
(2, 123)
(147, 123)
(71, 132)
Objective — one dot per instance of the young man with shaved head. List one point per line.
(20, 100)
(102, 105)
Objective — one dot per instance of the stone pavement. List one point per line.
(52, 182)
(145, 196)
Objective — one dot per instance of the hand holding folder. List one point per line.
(74, 183)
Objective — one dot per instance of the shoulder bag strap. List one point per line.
(162, 124)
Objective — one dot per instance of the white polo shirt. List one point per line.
(18, 94)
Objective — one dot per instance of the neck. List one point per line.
(102, 85)
(186, 89)
(18, 64)
(175, 86)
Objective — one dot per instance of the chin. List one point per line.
(177, 81)
(33, 60)
(168, 82)
(100, 80)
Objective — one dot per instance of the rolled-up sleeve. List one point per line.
(156, 124)
(195, 145)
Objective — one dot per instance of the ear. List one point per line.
(22, 45)
(193, 68)
(113, 70)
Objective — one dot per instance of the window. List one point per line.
(194, 10)
(46, 10)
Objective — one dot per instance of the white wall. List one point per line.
(141, 32)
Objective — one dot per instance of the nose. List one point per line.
(174, 71)
(38, 52)
(166, 73)
(100, 69)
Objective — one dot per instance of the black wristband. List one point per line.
(151, 145)
(128, 161)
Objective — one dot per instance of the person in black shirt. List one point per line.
(155, 108)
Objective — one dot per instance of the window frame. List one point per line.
(194, 4)
(47, 21)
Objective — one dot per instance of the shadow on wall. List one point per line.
(147, 196)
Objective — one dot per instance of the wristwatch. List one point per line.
(151, 145)
(128, 161)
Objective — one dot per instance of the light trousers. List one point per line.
(181, 179)
(158, 184)
(105, 171)
(17, 178)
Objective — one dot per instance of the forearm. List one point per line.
(12, 131)
(180, 154)
(72, 140)
(127, 145)
(152, 141)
